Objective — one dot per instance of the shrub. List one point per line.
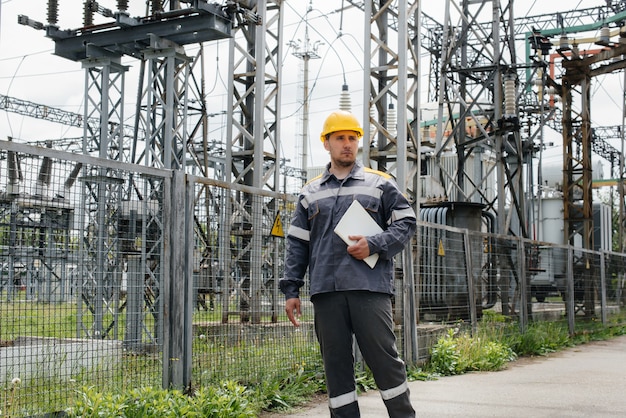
(226, 400)
(444, 356)
(456, 354)
(539, 339)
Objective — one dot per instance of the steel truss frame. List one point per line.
(99, 289)
(253, 159)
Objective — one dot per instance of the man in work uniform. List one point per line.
(349, 297)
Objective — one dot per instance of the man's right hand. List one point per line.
(292, 307)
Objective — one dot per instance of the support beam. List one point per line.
(253, 159)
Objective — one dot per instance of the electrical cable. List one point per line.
(301, 20)
(12, 77)
(217, 70)
(304, 19)
(46, 51)
(339, 35)
(9, 89)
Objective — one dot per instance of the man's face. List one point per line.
(343, 147)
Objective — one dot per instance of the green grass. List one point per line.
(246, 376)
(37, 319)
(261, 366)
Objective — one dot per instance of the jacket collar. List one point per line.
(357, 172)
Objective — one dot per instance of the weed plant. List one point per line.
(457, 354)
(498, 340)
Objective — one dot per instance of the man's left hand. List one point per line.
(360, 249)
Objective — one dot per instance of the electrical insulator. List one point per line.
(392, 120)
(122, 5)
(89, 9)
(344, 99)
(157, 6)
(53, 12)
(564, 43)
(509, 97)
(15, 173)
(605, 35)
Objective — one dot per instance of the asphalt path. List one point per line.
(588, 380)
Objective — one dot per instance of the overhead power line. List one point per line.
(52, 114)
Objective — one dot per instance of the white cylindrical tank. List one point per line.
(552, 174)
(551, 224)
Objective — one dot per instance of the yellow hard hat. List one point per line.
(340, 120)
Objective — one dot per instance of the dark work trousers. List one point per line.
(367, 316)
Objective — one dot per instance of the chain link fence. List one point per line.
(116, 276)
(81, 255)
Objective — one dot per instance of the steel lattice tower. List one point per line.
(253, 155)
(116, 205)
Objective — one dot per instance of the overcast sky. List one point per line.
(29, 71)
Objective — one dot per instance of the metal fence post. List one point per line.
(176, 372)
(524, 293)
(603, 306)
(571, 309)
(409, 315)
(470, 281)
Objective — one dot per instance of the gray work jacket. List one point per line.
(312, 243)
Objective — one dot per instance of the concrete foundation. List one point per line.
(56, 359)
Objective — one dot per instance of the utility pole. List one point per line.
(620, 184)
(305, 51)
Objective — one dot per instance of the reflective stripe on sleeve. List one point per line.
(393, 392)
(300, 233)
(342, 400)
(402, 213)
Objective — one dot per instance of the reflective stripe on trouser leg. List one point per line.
(342, 400)
(398, 401)
(372, 321)
(393, 392)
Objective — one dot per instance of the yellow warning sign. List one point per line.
(277, 228)
(441, 251)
